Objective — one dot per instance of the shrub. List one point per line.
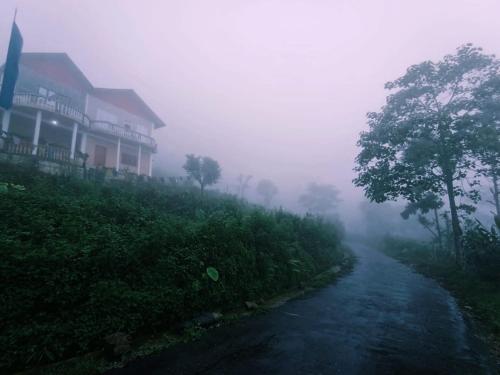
(81, 260)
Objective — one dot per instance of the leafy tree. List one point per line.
(430, 202)
(267, 190)
(320, 199)
(204, 170)
(417, 143)
(485, 137)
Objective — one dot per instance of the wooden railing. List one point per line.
(52, 105)
(122, 132)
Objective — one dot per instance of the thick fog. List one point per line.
(275, 89)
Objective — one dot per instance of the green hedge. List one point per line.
(81, 260)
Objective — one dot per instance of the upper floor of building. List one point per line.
(53, 82)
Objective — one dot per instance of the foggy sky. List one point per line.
(273, 88)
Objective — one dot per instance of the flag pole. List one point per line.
(15, 14)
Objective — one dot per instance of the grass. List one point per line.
(478, 297)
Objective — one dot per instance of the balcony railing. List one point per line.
(52, 105)
(122, 132)
(44, 152)
(32, 100)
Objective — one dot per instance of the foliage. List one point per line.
(204, 170)
(484, 140)
(320, 199)
(267, 190)
(82, 260)
(483, 252)
(419, 142)
(213, 273)
(476, 286)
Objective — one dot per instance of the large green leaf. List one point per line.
(213, 273)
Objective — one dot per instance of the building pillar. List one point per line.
(36, 136)
(83, 143)
(118, 153)
(73, 140)
(139, 160)
(6, 120)
(150, 172)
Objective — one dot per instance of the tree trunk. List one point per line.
(496, 194)
(438, 230)
(455, 222)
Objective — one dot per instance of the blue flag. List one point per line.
(11, 70)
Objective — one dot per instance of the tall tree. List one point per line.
(267, 190)
(204, 170)
(417, 143)
(485, 137)
(320, 199)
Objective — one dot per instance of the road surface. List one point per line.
(383, 318)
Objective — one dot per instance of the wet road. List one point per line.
(381, 319)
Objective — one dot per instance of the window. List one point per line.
(46, 93)
(106, 116)
(129, 159)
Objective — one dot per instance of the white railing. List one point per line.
(32, 100)
(43, 152)
(122, 132)
(51, 105)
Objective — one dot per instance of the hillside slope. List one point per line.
(81, 260)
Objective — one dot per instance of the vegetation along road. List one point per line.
(381, 319)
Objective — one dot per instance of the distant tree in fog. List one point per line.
(320, 199)
(243, 184)
(267, 190)
(418, 142)
(204, 170)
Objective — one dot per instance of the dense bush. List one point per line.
(81, 260)
(482, 252)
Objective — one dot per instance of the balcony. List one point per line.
(51, 105)
(122, 132)
(47, 152)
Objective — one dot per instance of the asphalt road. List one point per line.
(381, 319)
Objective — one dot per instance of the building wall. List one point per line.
(110, 151)
(136, 123)
(111, 148)
(30, 81)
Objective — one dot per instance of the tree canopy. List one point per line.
(419, 141)
(320, 199)
(267, 190)
(204, 170)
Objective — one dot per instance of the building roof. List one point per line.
(128, 100)
(59, 67)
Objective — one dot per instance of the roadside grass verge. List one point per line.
(478, 297)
